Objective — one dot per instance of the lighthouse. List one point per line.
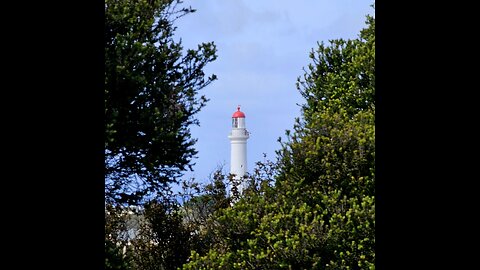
(238, 148)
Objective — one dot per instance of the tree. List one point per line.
(151, 236)
(163, 242)
(334, 142)
(151, 96)
(320, 212)
(198, 211)
(118, 224)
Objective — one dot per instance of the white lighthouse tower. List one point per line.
(238, 153)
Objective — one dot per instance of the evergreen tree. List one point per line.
(151, 97)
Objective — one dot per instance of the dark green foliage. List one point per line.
(115, 239)
(114, 259)
(151, 90)
(152, 236)
(198, 211)
(162, 242)
(151, 96)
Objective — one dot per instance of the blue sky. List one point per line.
(262, 47)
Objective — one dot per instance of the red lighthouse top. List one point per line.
(238, 113)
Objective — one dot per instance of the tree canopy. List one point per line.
(151, 97)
